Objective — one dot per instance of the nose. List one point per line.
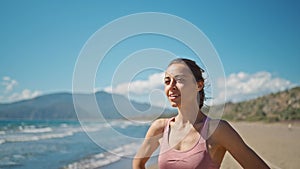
(173, 84)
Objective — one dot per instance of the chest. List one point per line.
(183, 140)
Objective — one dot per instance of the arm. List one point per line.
(227, 137)
(149, 145)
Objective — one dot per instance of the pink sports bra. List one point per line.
(195, 158)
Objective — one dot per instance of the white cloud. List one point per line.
(10, 95)
(25, 94)
(149, 90)
(8, 84)
(243, 86)
(138, 87)
(239, 87)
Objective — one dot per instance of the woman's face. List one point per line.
(181, 87)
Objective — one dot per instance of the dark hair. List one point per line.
(197, 72)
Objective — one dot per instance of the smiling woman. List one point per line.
(183, 75)
(187, 140)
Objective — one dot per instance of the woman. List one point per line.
(186, 140)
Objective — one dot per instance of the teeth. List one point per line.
(174, 95)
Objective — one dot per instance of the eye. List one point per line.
(167, 81)
(180, 80)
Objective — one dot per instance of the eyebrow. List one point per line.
(176, 76)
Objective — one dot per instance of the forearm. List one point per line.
(247, 158)
(149, 145)
(254, 161)
(138, 163)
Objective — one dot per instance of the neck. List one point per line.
(191, 114)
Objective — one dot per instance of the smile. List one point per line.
(173, 96)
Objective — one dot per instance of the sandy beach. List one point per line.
(277, 143)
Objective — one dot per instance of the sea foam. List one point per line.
(103, 159)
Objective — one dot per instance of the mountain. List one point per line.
(281, 106)
(59, 106)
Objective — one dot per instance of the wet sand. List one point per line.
(276, 143)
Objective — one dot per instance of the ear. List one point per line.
(200, 85)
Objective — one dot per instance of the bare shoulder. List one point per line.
(159, 123)
(157, 127)
(220, 126)
(224, 134)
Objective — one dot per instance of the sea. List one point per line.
(69, 144)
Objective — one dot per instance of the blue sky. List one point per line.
(41, 40)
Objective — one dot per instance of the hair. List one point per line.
(197, 72)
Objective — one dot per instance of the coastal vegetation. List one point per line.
(281, 106)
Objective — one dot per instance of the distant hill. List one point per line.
(60, 106)
(281, 106)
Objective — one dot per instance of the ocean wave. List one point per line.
(27, 133)
(25, 138)
(6, 162)
(125, 123)
(37, 130)
(126, 150)
(2, 141)
(64, 125)
(103, 159)
(33, 133)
